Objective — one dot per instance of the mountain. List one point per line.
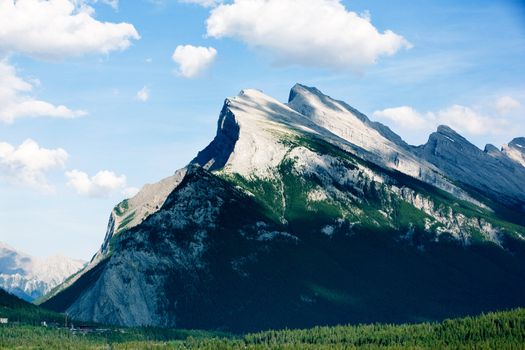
(482, 172)
(308, 213)
(30, 278)
(515, 150)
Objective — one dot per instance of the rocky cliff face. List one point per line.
(308, 213)
(515, 150)
(484, 172)
(30, 278)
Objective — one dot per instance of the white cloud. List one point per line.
(193, 60)
(465, 120)
(406, 117)
(313, 33)
(59, 28)
(15, 102)
(203, 3)
(102, 184)
(143, 94)
(28, 163)
(112, 3)
(86, 3)
(506, 104)
(129, 192)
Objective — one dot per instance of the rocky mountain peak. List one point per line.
(518, 142)
(484, 170)
(451, 135)
(515, 150)
(491, 149)
(310, 101)
(301, 214)
(446, 143)
(331, 113)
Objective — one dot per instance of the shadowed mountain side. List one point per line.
(300, 215)
(217, 153)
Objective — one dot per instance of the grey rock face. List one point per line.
(515, 150)
(463, 162)
(216, 155)
(298, 101)
(167, 252)
(304, 214)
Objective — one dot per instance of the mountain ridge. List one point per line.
(28, 277)
(229, 241)
(515, 150)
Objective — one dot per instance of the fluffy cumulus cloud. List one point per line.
(404, 116)
(102, 184)
(470, 121)
(59, 28)
(16, 101)
(143, 94)
(415, 125)
(312, 33)
(506, 104)
(193, 60)
(28, 164)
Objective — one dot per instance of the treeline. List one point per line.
(501, 330)
(493, 329)
(20, 311)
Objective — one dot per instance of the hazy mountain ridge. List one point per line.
(230, 242)
(30, 278)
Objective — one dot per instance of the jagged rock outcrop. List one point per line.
(302, 214)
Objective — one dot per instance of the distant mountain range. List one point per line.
(309, 213)
(30, 278)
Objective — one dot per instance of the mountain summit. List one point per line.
(515, 150)
(309, 213)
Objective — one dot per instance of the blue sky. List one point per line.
(459, 62)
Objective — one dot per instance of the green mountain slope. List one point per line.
(20, 311)
(248, 271)
(283, 222)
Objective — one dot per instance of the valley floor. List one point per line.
(501, 330)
